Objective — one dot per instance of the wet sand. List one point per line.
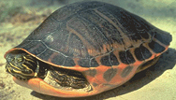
(21, 17)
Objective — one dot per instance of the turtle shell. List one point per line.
(104, 42)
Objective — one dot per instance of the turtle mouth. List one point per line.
(66, 79)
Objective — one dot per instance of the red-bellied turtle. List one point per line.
(85, 48)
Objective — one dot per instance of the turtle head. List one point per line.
(23, 66)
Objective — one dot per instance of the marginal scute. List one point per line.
(30, 46)
(144, 34)
(113, 59)
(88, 62)
(138, 54)
(142, 53)
(94, 63)
(126, 71)
(57, 58)
(46, 55)
(163, 37)
(105, 60)
(126, 57)
(84, 62)
(69, 62)
(156, 47)
(40, 49)
(109, 74)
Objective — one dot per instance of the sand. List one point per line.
(20, 17)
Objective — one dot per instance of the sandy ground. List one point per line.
(18, 18)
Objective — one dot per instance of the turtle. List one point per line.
(84, 49)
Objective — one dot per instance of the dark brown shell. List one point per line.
(79, 33)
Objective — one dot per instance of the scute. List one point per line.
(142, 53)
(113, 59)
(157, 48)
(105, 61)
(69, 62)
(126, 57)
(84, 31)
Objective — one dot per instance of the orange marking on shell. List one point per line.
(116, 53)
(137, 63)
(76, 61)
(133, 54)
(76, 68)
(106, 48)
(122, 66)
(98, 60)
